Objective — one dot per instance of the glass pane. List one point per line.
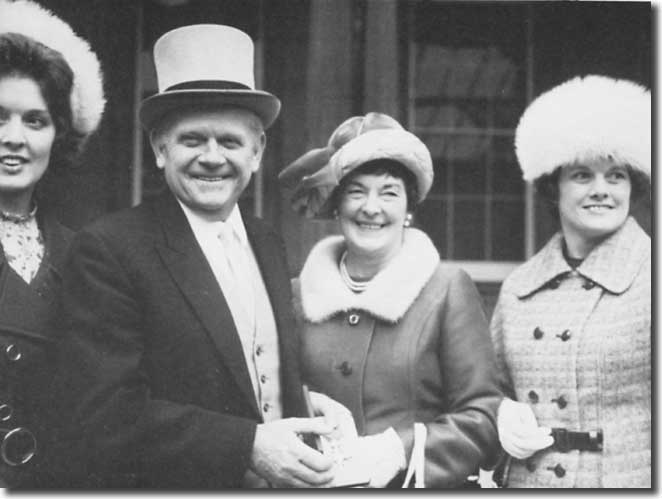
(507, 176)
(431, 217)
(466, 94)
(508, 230)
(469, 228)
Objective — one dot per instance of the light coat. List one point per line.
(595, 376)
(413, 347)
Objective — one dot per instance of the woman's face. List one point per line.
(371, 212)
(594, 201)
(27, 132)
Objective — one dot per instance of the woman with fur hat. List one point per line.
(51, 98)
(388, 330)
(572, 326)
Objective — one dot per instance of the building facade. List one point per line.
(457, 74)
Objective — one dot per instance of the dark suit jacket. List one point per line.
(153, 382)
(28, 318)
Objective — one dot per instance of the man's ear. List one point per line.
(259, 152)
(158, 147)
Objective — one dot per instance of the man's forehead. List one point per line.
(211, 118)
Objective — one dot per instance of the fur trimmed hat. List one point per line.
(357, 140)
(87, 96)
(585, 118)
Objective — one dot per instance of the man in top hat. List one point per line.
(179, 357)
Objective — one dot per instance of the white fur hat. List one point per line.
(210, 64)
(585, 118)
(356, 141)
(87, 97)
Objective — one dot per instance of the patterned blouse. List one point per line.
(22, 243)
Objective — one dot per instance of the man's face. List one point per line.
(208, 157)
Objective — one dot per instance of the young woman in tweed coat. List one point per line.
(389, 331)
(572, 326)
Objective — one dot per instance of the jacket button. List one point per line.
(538, 333)
(263, 378)
(345, 368)
(530, 465)
(588, 284)
(5, 412)
(13, 353)
(353, 319)
(565, 335)
(533, 397)
(561, 402)
(259, 350)
(558, 470)
(266, 407)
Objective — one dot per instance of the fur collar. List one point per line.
(389, 294)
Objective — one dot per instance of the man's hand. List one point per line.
(519, 433)
(336, 415)
(281, 458)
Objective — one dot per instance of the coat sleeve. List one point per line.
(496, 331)
(464, 436)
(111, 424)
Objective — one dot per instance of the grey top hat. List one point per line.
(206, 64)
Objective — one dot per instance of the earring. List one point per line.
(408, 220)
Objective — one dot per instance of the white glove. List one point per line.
(381, 456)
(336, 415)
(519, 433)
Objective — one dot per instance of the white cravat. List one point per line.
(236, 257)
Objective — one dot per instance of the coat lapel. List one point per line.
(189, 268)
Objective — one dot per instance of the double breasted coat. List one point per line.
(576, 346)
(28, 331)
(155, 387)
(413, 347)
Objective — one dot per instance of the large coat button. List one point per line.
(5, 412)
(530, 465)
(558, 470)
(538, 333)
(13, 353)
(565, 335)
(353, 319)
(533, 397)
(561, 402)
(345, 369)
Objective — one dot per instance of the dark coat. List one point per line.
(155, 387)
(28, 329)
(413, 347)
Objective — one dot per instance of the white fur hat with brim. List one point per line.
(586, 118)
(356, 141)
(87, 97)
(206, 65)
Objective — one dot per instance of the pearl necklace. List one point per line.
(353, 285)
(18, 218)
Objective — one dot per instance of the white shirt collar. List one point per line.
(202, 225)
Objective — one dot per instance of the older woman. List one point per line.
(572, 326)
(51, 97)
(389, 331)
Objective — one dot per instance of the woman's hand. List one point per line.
(336, 415)
(380, 456)
(519, 433)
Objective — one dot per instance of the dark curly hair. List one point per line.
(23, 56)
(547, 186)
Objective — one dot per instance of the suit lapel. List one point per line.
(189, 268)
